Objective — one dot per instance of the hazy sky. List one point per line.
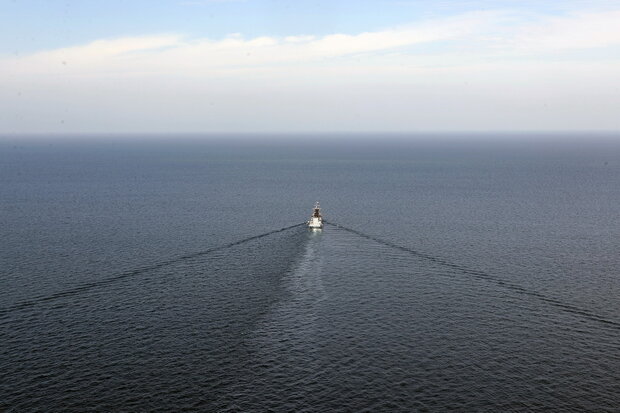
(308, 66)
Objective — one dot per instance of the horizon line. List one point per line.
(324, 132)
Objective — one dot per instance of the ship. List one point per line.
(316, 220)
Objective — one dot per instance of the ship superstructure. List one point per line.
(316, 220)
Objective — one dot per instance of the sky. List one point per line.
(212, 66)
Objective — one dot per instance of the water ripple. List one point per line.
(484, 275)
(130, 273)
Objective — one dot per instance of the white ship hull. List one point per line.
(316, 220)
(315, 223)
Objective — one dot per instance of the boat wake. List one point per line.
(486, 276)
(131, 273)
(285, 344)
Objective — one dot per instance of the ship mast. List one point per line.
(317, 210)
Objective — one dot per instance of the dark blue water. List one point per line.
(456, 273)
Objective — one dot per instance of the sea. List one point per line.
(461, 272)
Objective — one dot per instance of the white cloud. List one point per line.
(95, 57)
(484, 70)
(575, 31)
(299, 39)
(174, 54)
(475, 36)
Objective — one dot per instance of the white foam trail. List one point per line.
(285, 342)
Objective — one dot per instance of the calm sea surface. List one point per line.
(456, 273)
